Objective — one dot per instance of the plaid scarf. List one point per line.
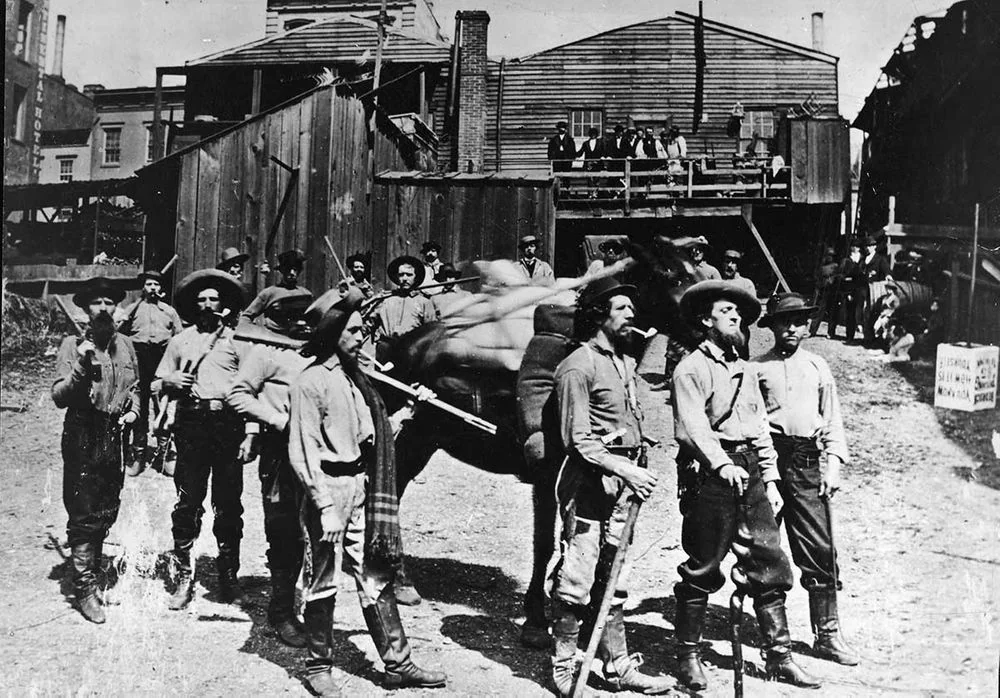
(383, 540)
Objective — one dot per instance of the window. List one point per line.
(22, 48)
(18, 126)
(113, 145)
(582, 120)
(296, 23)
(757, 133)
(149, 143)
(66, 169)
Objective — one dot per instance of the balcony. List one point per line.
(663, 188)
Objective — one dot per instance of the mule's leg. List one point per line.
(413, 450)
(535, 631)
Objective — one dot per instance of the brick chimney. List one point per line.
(470, 141)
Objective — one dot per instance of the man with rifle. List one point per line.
(804, 416)
(95, 381)
(597, 398)
(260, 394)
(198, 370)
(727, 467)
(150, 323)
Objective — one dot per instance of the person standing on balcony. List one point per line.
(562, 149)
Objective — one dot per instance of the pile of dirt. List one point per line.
(30, 327)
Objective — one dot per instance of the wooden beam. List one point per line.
(962, 233)
(258, 79)
(747, 212)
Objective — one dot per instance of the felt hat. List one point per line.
(619, 128)
(186, 295)
(392, 271)
(291, 258)
(528, 240)
(732, 254)
(231, 256)
(786, 304)
(603, 289)
(430, 245)
(867, 241)
(701, 294)
(447, 271)
(358, 257)
(150, 274)
(326, 334)
(561, 124)
(98, 287)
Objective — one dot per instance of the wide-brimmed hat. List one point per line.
(291, 258)
(602, 289)
(150, 274)
(231, 256)
(698, 296)
(331, 324)
(446, 271)
(430, 245)
(186, 296)
(528, 240)
(392, 271)
(98, 287)
(786, 304)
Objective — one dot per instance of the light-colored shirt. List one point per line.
(261, 307)
(705, 383)
(801, 398)
(597, 396)
(329, 420)
(260, 391)
(150, 323)
(217, 370)
(540, 274)
(397, 315)
(74, 388)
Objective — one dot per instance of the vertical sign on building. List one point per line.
(36, 123)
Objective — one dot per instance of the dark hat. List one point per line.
(325, 336)
(446, 271)
(285, 312)
(430, 245)
(528, 240)
(698, 296)
(150, 274)
(231, 256)
(362, 257)
(291, 258)
(561, 124)
(611, 244)
(186, 296)
(604, 288)
(392, 271)
(619, 128)
(98, 287)
(786, 304)
(867, 241)
(732, 254)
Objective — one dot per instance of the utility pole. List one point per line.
(382, 18)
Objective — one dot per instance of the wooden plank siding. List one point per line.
(647, 71)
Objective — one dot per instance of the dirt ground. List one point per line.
(918, 525)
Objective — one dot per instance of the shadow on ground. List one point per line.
(972, 431)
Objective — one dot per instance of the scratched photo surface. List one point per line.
(269, 262)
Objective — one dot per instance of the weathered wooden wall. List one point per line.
(471, 216)
(647, 71)
(229, 189)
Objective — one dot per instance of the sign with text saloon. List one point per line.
(966, 377)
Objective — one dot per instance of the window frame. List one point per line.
(64, 160)
(753, 117)
(105, 162)
(22, 41)
(19, 124)
(585, 123)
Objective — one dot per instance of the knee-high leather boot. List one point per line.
(565, 640)
(184, 592)
(390, 640)
(689, 619)
(281, 609)
(319, 639)
(829, 643)
(621, 669)
(228, 565)
(777, 648)
(85, 582)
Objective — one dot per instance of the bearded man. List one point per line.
(727, 467)
(95, 380)
(198, 370)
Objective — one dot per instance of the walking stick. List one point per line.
(602, 615)
(741, 546)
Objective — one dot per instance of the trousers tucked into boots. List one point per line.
(319, 640)
(688, 623)
(84, 559)
(621, 669)
(387, 632)
(565, 639)
(777, 645)
(829, 643)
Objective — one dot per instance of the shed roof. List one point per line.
(65, 138)
(334, 40)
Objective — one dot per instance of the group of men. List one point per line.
(845, 284)
(620, 144)
(290, 392)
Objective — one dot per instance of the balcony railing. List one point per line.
(627, 184)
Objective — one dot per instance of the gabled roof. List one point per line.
(709, 25)
(334, 40)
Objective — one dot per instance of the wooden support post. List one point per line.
(158, 116)
(690, 178)
(953, 298)
(628, 186)
(892, 210)
(422, 83)
(747, 212)
(258, 79)
(378, 49)
(763, 181)
(972, 278)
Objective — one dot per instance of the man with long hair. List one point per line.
(727, 470)
(341, 447)
(95, 380)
